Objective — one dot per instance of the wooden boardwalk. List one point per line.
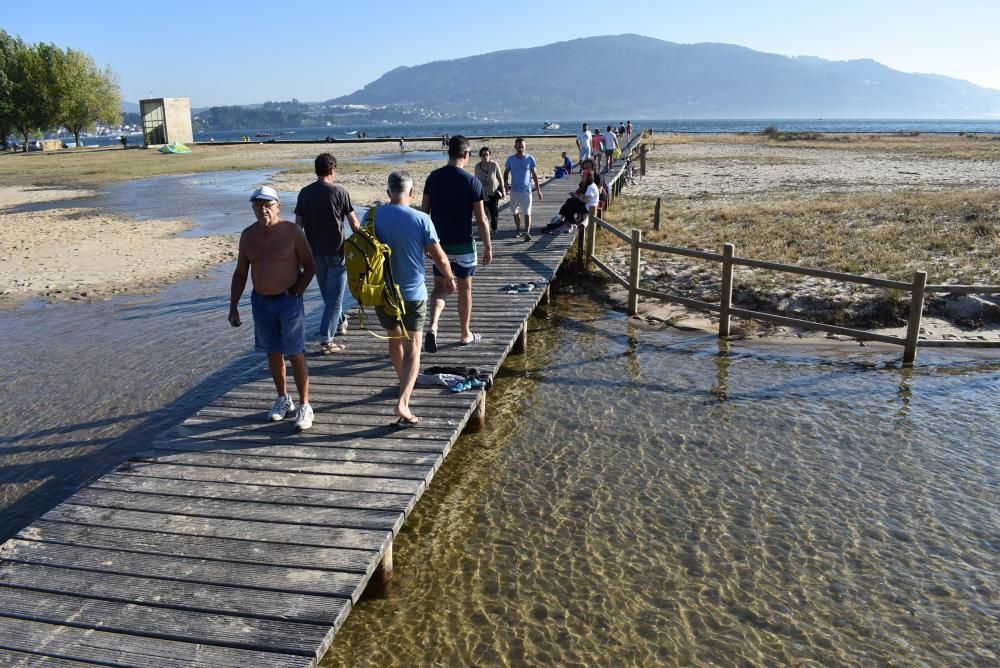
(232, 541)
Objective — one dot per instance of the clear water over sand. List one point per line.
(642, 498)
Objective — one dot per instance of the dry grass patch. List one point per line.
(954, 235)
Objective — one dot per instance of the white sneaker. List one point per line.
(282, 407)
(342, 329)
(304, 417)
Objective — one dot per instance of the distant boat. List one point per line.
(351, 132)
(263, 134)
(550, 126)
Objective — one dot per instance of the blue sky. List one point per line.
(251, 51)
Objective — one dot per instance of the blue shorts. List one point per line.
(278, 324)
(459, 270)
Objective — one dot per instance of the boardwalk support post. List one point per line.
(546, 295)
(633, 274)
(580, 235)
(916, 311)
(520, 346)
(656, 216)
(726, 300)
(642, 160)
(378, 585)
(477, 421)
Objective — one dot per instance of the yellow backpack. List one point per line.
(369, 274)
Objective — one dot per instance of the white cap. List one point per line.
(265, 192)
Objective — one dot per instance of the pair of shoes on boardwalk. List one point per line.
(329, 347)
(430, 341)
(284, 405)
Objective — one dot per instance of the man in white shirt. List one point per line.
(583, 143)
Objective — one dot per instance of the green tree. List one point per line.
(9, 47)
(87, 94)
(34, 99)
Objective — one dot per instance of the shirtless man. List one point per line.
(275, 253)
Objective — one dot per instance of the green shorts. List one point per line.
(413, 319)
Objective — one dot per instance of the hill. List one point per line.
(642, 77)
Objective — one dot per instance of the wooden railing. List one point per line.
(917, 287)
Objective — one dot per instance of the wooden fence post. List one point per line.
(726, 300)
(633, 273)
(591, 240)
(916, 312)
(642, 160)
(581, 231)
(656, 215)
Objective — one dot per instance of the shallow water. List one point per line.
(648, 498)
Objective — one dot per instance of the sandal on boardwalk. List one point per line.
(430, 341)
(407, 422)
(331, 347)
(476, 338)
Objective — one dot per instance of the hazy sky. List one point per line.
(317, 50)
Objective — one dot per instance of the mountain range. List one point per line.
(642, 77)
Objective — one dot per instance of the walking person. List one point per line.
(488, 173)
(583, 143)
(518, 173)
(452, 197)
(411, 235)
(597, 147)
(320, 211)
(628, 132)
(276, 255)
(610, 144)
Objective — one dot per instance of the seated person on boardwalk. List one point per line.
(572, 212)
(410, 234)
(275, 253)
(592, 194)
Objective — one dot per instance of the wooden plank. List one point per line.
(261, 493)
(134, 539)
(138, 619)
(253, 576)
(238, 510)
(351, 536)
(12, 659)
(235, 436)
(173, 594)
(312, 453)
(120, 649)
(274, 478)
(292, 465)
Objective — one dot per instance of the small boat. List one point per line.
(550, 126)
(263, 134)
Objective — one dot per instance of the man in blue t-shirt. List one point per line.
(517, 175)
(410, 234)
(452, 196)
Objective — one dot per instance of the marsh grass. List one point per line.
(953, 235)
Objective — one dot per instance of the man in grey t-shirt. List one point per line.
(320, 211)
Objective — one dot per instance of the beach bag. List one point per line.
(616, 153)
(369, 275)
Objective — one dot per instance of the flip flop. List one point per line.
(330, 348)
(476, 338)
(430, 341)
(407, 422)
